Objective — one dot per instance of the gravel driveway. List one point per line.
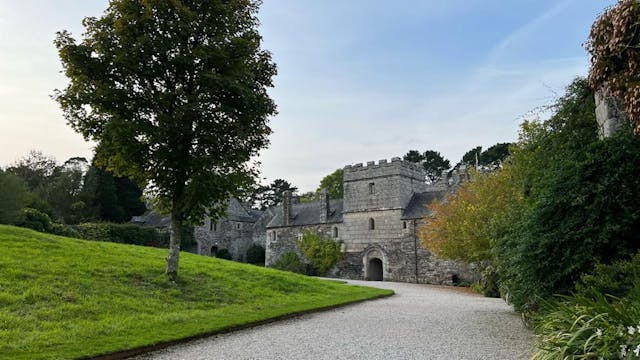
(419, 322)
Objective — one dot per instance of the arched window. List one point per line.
(372, 224)
(335, 232)
(404, 224)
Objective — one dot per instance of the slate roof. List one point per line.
(417, 207)
(153, 219)
(308, 214)
(249, 216)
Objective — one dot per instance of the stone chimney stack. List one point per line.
(324, 205)
(286, 207)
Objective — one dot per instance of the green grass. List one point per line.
(63, 298)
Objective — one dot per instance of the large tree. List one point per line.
(334, 183)
(272, 194)
(176, 92)
(432, 161)
(13, 197)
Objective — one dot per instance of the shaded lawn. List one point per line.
(63, 298)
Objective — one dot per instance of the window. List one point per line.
(372, 224)
(210, 225)
(404, 224)
(299, 237)
(372, 188)
(335, 232)
(238, 226)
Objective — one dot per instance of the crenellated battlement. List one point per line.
(384, 167)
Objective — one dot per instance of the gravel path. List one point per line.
(419, 322)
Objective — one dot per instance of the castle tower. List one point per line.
(375, 197)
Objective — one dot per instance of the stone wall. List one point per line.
(234, 236)
(385, 185)
(282, 240)
(610, 113)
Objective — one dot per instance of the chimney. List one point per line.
(324, 205)
(286, 207)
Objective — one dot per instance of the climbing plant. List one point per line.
(614, 45)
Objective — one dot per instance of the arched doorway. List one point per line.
(214, 250)
(374, 270)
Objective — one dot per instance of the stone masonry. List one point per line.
(377, 222)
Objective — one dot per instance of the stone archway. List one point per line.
(374, 264)
(374, 270)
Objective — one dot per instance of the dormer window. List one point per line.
(372, 188)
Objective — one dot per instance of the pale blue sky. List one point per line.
(358, 80)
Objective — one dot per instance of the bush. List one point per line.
(323, 253)
(587, 213)
(36, 220)
(123, 233)
(590, 327)
(617, 279)
(291, 262)
(64, 230)
(224, 254)
(255, 255)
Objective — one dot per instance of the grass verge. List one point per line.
(63, 298)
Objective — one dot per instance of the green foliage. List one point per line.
(36, 220)
(323, 253)
(614, 46)
(494, 155)
(175, 93)
(587, 213)
(110, 198)
(13, 197)
(255, 254)
(35, 169)
(616, 279)
(334, 184)
(271, 195)
(122, 233)
(543, 242)
(432, 161)
(471, 156)
(224, 254)
(69, 299)
(589, 327)
(290, 261)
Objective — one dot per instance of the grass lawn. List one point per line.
(63, 298)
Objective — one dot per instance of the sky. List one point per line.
(358, 80)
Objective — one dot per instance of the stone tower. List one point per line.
(375, 198)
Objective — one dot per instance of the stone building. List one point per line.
(241, 227)
(377, 221)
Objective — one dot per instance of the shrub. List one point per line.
(290, 261)
(224, 254)
(323, 253)
(590, 327)
(255, 254)
(36, 220)
(617, 279)
(587, 213)
(64, 230)
(123, 233)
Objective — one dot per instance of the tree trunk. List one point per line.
(174, 245)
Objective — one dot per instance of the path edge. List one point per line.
(124, 354)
